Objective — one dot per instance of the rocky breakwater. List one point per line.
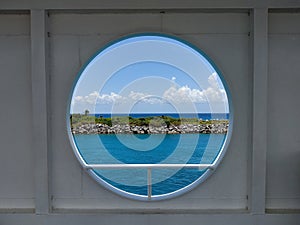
(219, 127)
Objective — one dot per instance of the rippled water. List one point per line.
(160, 148)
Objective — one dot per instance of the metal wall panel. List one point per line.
(219, 28)
(16, 161)
(283, 183)
(74, 38)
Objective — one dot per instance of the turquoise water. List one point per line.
(153, 149)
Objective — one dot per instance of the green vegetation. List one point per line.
(79, 119)
(156, 121)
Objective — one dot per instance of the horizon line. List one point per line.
(152, 113)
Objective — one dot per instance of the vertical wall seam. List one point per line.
(250, 123)
(40, 116)
(260, 92)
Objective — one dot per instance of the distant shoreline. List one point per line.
(203, 116)
(88, 124)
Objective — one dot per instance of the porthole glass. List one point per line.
(149, 116)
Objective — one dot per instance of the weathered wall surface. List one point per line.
(258, 52)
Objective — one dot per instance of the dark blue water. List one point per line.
(203, 116)
(130, 149)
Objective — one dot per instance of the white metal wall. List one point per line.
(76, 37)
(41, 52)
(283, 158)
(17, 156)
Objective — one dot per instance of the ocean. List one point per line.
(152, 149)
(203, 116)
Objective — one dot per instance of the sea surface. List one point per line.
(203, 116)
(152, 149)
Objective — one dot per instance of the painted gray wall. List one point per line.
(283, 158)
(39, 62)
(76, 37)
(17, 156)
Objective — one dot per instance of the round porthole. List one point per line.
(149, 116)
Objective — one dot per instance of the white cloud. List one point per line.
(137, 95)
(144, 98)
(215, 93)
(90, 99)
(184, 94)
(213, 81)
(110, 98)
(95, 97)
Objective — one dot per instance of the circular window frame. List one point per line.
(181, 191)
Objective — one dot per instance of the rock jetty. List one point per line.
(93, 128)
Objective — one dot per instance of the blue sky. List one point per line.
(149, 74)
